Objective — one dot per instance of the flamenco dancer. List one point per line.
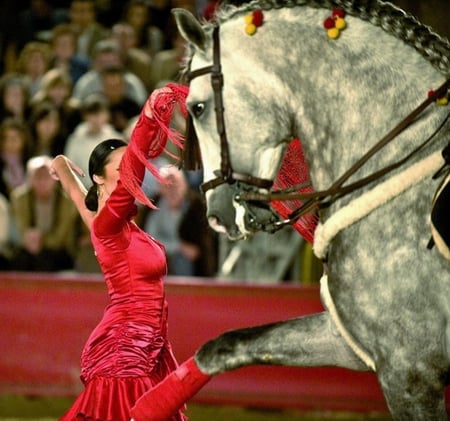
(128, 352)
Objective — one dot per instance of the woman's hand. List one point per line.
(58, 162)
(159, 102)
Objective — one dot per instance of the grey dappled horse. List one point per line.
(387, 296)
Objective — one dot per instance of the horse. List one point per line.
(363, 85)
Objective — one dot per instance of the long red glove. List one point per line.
(150, 135)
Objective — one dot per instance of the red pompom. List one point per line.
(329, 23)
(339, 13)
(258, 18)
(430, 93)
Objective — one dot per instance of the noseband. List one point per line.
(226, 173)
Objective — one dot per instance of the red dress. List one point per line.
(128, 352)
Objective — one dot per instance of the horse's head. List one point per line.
(239, 150)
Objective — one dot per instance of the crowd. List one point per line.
(72, 75)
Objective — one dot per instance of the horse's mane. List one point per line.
(390, 18)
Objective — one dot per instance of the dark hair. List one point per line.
(97, 162)
(93, 104)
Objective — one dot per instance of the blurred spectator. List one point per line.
(160, 16)
(45, 218)
(180, 224)
(82, 16)
(15, 150)
(33, 62)
(122, 108)
(35, 22)
(14, 97)
(94, 128)
(149, 38)
(167, 64)
(64, 49)
(46, 131)
(107, 53)
(6, 223)
(56, 87)
(135, 60)
(108, 12)
(9, 10)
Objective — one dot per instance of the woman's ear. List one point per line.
(98, 179)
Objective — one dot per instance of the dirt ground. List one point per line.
(20, 408)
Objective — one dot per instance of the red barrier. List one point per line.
(45, 320)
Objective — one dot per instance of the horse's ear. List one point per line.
(190, 28)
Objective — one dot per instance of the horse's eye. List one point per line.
(197, 109)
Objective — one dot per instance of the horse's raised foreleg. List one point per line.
(306, 341)
(309, 341)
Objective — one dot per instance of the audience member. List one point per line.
(64, 52)
(160, 16)
(36, 22)
(15, 150)
(14, 97)
(167, 64)
(45, 218)
(134, 60)
(181, 225)
(108, 12)
(149, 38)
(106, 54)
(56, 87)
(9, 11)
(46, 131)
(94, 128)
(82, 17)
(122, 108)
(5, 233)
(33, 62)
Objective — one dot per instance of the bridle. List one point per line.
(226, 174)
(314, 200)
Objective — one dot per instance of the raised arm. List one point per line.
(66, 171)
(148, 141)
(149, 137)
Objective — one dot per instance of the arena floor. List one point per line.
(19, 408)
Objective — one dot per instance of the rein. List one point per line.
(324, 198)
(313, 200)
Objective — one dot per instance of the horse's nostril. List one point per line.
(216, 224)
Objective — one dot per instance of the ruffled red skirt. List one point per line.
(120, 362)
(111, 399)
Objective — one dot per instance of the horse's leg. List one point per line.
(305, 341)
(309, 341)
(415, 392)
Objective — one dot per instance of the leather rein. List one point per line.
(313, 200)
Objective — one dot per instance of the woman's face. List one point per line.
(13, 142)
(36, 65)
(59, 93)
(108, 182)
(48, 127)
(14, 99)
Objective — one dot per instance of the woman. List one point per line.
(128, 351)
(15, 150)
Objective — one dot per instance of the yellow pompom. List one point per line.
(340, 23)
(442, 101)
(333, 33)
(250, 29)
(249, 18)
